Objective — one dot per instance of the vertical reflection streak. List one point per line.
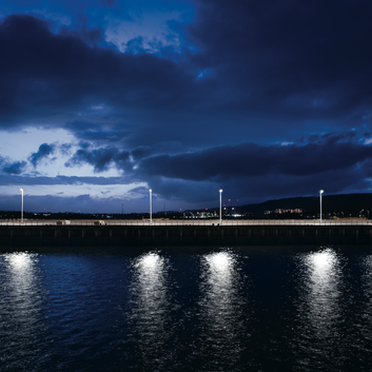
(220, 288)
(323, 290)
(23, 285)
(367, 278)
(21, 296)
(321, 312)
(366, 316)
(150, 311)
(222, 310)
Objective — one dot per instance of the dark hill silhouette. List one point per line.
(331, 203)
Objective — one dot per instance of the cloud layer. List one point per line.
(264, 99)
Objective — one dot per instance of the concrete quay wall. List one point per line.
(187, 235)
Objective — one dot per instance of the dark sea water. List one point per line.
(309, 310)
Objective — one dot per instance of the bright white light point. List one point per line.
(323, 265)
(322, 260)
(219, 262)
(20, 261)
(150, 261)
(150, 268)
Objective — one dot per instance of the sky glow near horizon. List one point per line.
(102, 100)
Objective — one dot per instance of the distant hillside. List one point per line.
(331, 203)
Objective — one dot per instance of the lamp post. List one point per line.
(22, 206)
(320, 202)
(150, 198)
(221, 206)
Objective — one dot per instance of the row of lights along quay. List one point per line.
(220, 205)
(158, 232)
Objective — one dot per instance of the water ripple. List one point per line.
(219, 311)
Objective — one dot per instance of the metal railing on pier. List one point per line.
(187, 222)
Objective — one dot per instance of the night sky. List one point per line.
(101, 100)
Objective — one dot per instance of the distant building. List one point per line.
(282, 211)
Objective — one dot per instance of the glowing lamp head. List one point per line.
(321, 191)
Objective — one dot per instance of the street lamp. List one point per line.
(150, 198)
(221, 206)
(320, 201)
(22, 207)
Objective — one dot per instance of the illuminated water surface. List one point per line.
(215, 311)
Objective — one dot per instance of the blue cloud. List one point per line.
(44, 151)
(15, 168)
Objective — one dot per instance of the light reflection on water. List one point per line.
(322, 295)
(366, 310)
(23, 285)
(220, 311)
(21, 297)
(322, 335)
(366, 265)
(151, 311)
(222, 307)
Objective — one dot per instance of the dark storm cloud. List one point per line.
(63, 72)
(15, 168)
(310, 57)
(249, 159)
(339, 162)
(255, 75)
(44, 151)
(101, 135)
(100, 159)
(260, 70)
(319, 154)
(11, 167)
(258, 188)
